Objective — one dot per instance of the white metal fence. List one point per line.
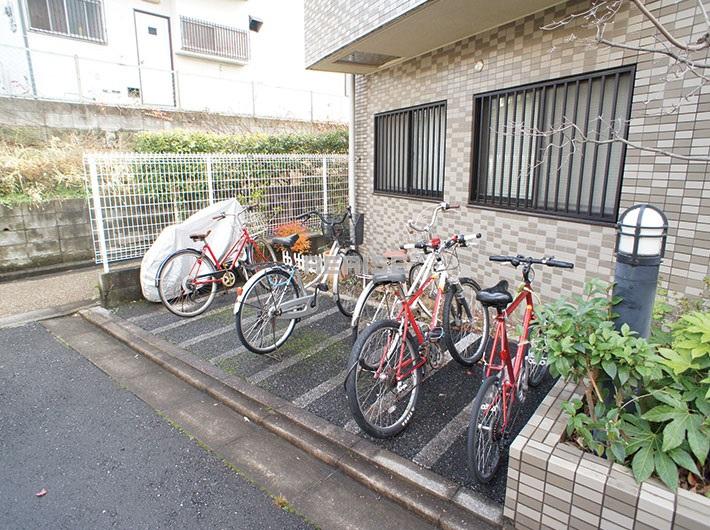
(134, 196)
(30, 73)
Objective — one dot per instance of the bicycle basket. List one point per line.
(255, 222)
(339, 231)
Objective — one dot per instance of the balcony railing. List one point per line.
(207, 38)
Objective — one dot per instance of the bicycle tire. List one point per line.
(387, 327)
(166, 287)
(478, 436)
(538, 371)
(349, 286)
(249, 311)
(456, 310)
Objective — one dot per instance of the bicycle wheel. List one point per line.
(381, 405)
(380, 301)
(484, 430)
(258, 327)
(186, 283)
(258, 255)
(428, 298)
(465, 323)
(537, 363)
(350, 282)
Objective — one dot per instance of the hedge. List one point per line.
(332, 142)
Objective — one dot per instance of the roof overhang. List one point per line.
(432, 25)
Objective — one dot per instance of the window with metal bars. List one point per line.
(200, 36)
(550, 147)
(409, 150)
(81, 19)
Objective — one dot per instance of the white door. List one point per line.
(155, 61)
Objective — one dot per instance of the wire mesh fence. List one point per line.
(133, 197)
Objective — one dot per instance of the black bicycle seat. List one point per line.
(286, 241)
(496, 296)
(389, 277)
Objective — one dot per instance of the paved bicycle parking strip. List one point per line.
(308, 372)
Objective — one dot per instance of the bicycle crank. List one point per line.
(229, 279)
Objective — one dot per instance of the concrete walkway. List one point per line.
(321, 493)
(49, 291)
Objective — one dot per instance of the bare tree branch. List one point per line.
(702, 43)
(570, 134)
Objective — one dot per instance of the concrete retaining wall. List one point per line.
(31, 121)
(51, 233)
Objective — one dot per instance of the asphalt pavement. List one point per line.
(104, 458)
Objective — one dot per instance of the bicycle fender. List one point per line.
(360, 303)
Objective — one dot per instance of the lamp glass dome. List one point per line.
(648, 224)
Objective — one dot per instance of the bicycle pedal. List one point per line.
(322, 287)
(435, 334)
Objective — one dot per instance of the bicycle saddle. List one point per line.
(389, 277)
(496, 296)
(200, 237)
(286, 241)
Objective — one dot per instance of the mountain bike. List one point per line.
(386, 365)
(380, 298)
(187, 280)
(274, 299)
(506, 381)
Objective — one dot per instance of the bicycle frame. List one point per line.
(410, 320)
(235, 250)
(307, 304)
(501, 346)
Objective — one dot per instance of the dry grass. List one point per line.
(34, 174)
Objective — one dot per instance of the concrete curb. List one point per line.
(12, 321)
(432, 497)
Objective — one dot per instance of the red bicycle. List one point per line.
(506, 380)
(386, 363)
(187, 280)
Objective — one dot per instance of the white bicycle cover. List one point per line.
(176, 237)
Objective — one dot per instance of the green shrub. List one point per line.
(645, 408)
(333, 142)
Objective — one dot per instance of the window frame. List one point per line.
(101, 19)
(185, 48)
(518, 208)
(411, 193)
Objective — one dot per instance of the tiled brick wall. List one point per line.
(555, 485)
(519, 53)
(330, 25)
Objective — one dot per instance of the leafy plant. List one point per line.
(205, 142)
(645, 408)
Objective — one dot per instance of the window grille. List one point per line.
(524, 159)
(200, 36)
(81, 19)
(409, 150)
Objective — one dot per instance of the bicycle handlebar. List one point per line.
(222, 215)
(549, 261)
(307, 215)
(443, 205)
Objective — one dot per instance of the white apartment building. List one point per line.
(188, 54)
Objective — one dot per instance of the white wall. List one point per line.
(106, 71)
